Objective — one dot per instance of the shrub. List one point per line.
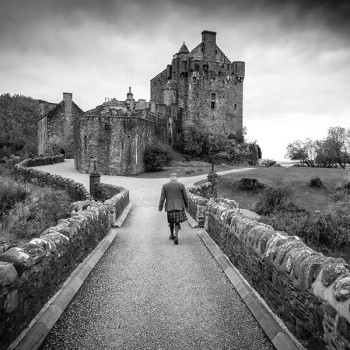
(331, 229)
(276, 198)
(10, 193)
(39, 211)
(156, 156)
(248, 184)
(316, 182)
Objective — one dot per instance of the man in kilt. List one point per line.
(176, 201)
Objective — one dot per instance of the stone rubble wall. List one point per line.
(198, 197)
(308, 291)
(30, 274)
(76, 190)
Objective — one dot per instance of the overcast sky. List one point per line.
(297, 55)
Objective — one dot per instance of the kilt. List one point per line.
(176, 216)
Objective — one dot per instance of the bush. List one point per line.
(330, 229)
(316, 182)
(248, 184)
(39, 211)
(157, 156)
(10, 193)
(276, 198)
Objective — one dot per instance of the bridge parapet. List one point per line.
(31, 273)
(307, 290)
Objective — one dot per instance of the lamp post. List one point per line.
(212, 176)
(95, 178)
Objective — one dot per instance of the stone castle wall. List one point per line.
(206, 85)
(308, 291)
(215, 98)
(117, 144)
(30, 274)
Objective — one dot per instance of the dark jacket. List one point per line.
(175, 196)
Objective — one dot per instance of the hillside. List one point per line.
(18, 116)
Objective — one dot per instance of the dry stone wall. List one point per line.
(308, 291)
(30, 274)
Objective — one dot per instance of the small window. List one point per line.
(197, 94)
(184, 64)
(213, 96)
(212, 104)
(235, 106)
(196, 67)
(205, 68)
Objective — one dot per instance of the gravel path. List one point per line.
(147, 293)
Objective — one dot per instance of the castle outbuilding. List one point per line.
(206, 84)
(56, 120)
(115, 134)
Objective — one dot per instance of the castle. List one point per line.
(201, 87)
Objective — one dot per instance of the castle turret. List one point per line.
(169, 94)
(209, 45)
(183, 49)
(130, 98)
(238, 70)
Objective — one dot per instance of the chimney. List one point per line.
(209, 45)
(41, 108)
(68, 105)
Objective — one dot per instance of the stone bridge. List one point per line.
(137, 290)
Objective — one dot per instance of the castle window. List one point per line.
(196, 67)
(205, 68)
(212, 102)
(184, 64)
(85, 143)
(197, 94)
(216, 51)
(235, 106)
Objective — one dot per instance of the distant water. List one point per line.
(286, 164)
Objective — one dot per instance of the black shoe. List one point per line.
(171, 236)
(176, 240)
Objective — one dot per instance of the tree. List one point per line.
(297, 151)
(304, 151)
(337, 145)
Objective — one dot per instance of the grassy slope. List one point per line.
(310, 198)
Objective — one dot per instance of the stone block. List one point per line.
(19, 257)
(8, 273)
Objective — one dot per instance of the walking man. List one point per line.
(176, 201)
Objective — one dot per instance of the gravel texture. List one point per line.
(147, 293)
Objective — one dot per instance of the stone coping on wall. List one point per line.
(305, 272)
(325, 279)
(31, 273)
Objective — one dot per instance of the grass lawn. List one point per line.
(185, 169)
(298, 177)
